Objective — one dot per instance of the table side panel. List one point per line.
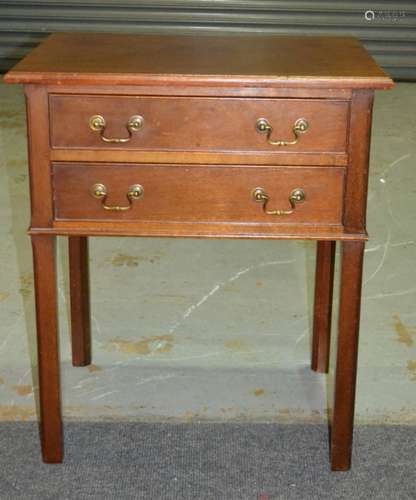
(38, 155)
(356, 184)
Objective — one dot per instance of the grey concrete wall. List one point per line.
(219, 330)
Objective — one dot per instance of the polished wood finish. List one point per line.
(199, 123)
(208, 90)
(357, 171)
(47, 340)
(80, 301)
(198, 158)
(197, 230)
(275, 61)
(324, 282)
(38, 149)
(347, 351)
(199, 193)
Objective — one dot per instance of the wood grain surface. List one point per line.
(322, 315)
(347, 353)
(96, 58)
(80, 300)
(198, 193)
(198, 158)
(199, 124)
(44, 269)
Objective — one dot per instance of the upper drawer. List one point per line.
(198, 124)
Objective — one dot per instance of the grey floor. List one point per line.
(198, 330)
(107, 461)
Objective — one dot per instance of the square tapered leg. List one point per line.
(324, 283)
(80, 300)
(347, 351)
(47, 339)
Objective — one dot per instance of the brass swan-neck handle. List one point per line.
(299, 127)
(100, 191)
(97, 123)
(259, 195)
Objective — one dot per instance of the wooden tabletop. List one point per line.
(119, 59)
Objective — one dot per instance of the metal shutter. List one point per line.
(389, 32)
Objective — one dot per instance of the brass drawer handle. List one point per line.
(259, 195)
(97, 124)
(100, 191)
(263, 127)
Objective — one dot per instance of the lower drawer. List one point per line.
(237, 194)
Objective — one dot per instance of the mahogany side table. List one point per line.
(199, 136)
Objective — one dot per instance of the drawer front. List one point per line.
(200, 124)
(198, 193)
